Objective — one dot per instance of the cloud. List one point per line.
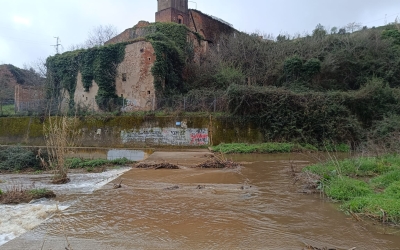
(22, 20)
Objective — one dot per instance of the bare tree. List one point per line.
(100, 34)
(38, 67)
(351, 27)
(97, 37)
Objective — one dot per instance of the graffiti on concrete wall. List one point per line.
(167, 136)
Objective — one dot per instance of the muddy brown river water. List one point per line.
(256, 207)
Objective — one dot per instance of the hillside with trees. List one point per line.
(331, 87)
(338, 87)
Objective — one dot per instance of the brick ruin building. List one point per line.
(135, 82)
(177, 11)
(20, 87)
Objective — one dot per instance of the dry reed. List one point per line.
(60, 134)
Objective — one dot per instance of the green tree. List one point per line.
(319, 31)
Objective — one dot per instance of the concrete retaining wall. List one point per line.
(121, 131)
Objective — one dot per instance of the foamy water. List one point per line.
(18, 219)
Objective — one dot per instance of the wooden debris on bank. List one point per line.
(309, 247)
(163, 165)
(172, 188)
(218, 161)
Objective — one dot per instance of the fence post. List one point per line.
(215, 104)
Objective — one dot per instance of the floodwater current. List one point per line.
(256, 207)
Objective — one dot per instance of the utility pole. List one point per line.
(58, 44)
(194, 3)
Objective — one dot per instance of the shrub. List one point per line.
(227, 76)
(17, 158)
(287, 116)
(344, 188)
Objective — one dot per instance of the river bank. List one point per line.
(366, 187)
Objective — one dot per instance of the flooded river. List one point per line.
(256, 207)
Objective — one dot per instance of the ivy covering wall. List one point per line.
(98, 64)
(171, 47)
(170, 44)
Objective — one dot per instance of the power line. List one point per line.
(386, 16)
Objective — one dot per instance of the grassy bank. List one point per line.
(368, 186)
(95, 164)
(18, 194)
(273, 147)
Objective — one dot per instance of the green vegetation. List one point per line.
(340, 87)
(18, 194)
(357, 167)
(274, 147)
(25, 77)
(243, 148)
(169, 41)
(41, 193)
(76, 163)
(17, 158)
(385, 180)
(314, 117)
(320, 88)
(7, 110)
(98, 63)
(344, 188)
(367, 185)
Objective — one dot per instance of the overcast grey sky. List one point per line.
(28, 27)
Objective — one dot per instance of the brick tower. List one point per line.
(175, 11)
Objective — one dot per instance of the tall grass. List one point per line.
(344, 188)
(357, 167)
(367, 185)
